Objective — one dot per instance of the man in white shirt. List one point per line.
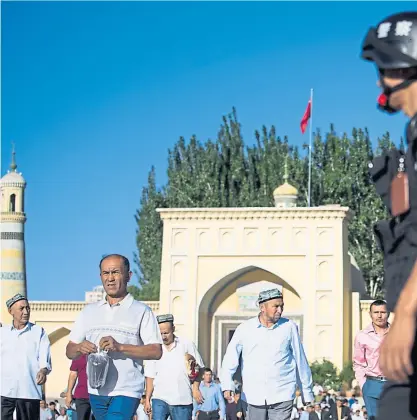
(125, 328)
(167, 379)
(317, 389)
(25, 363)
(273, 360)
(46, 413)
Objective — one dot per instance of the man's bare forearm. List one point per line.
(72, 379)
(149, 388)
(72, 351)
(147, 352)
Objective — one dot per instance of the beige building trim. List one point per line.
(256, 213)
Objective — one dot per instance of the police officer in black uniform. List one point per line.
(392, 47)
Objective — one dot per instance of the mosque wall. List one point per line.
(304, 249)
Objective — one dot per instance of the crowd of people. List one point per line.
(138, 367)
(141, 357)
(152, 373)
(327, 405)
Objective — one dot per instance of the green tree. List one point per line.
(149, 242)
(347, 375)
(226, 173)
(325, 373)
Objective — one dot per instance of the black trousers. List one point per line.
(25, 409)
(208, 415)
(399, 401)
(83, 409)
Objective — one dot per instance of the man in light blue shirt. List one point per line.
(45, 413)
(213, 406)
(25, 363)
(273, 361)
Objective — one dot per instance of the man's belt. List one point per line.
(208, 413)
(376, 378)
(266, 406)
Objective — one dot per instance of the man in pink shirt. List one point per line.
(366, 356)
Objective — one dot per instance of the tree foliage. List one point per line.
(325, 374)
(229, 173)
(149, 242)
(347, 374)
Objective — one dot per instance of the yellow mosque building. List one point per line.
(215, 261)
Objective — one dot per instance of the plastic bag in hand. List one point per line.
(98, 366)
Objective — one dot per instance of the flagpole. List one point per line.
(310, 147)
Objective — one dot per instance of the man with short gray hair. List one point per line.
(273, 360)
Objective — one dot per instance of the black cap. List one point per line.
(393, 43)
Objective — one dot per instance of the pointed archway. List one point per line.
(230, 301)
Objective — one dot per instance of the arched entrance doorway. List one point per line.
(232, 300)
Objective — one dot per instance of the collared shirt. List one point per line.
(23, 354)
(366, 354)
(213, 399)
(271, 359)
(45, 414)
(171, 382)
(128, 322)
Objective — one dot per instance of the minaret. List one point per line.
(13, 218)
(285, 195)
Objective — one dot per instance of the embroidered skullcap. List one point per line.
(14, 299)
(165, 318)
(269, 295)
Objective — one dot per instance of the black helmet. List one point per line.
(393, 45)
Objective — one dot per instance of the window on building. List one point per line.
(12, 204)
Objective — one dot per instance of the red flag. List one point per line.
(306, 117)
